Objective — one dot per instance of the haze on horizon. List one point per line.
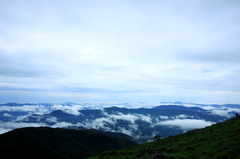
(114, 51)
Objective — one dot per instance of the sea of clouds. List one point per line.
(183, 121)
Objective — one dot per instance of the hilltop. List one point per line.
(45, 142)
(219, 141)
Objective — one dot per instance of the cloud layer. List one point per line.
(187, 123)
(119, 51)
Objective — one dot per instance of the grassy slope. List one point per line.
(220, 141)
(47, 142)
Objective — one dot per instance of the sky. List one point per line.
(121, 50)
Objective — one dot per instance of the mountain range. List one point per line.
(140, 120)
(141, 123)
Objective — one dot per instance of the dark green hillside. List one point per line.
(45, 142)
(219, 141)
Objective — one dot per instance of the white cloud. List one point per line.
(21, 117)
(181, 116)
(61, 124)
(103, 122)
(128, 117)
(100, 123)
(7, 115)
(186, 123)
(15, 125)
(130, 131)
(208, 107)
(163, 117)
(125, 131)
(224, 111)
(74, 109)
(145, 118)
(40, 109)
(52, 120)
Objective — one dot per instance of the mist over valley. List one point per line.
(140, 120)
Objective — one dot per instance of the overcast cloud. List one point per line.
(56, 51)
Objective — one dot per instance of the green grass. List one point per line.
(219, 141)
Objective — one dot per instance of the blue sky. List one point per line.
(122, 50)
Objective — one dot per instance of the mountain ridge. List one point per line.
(46, 142)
